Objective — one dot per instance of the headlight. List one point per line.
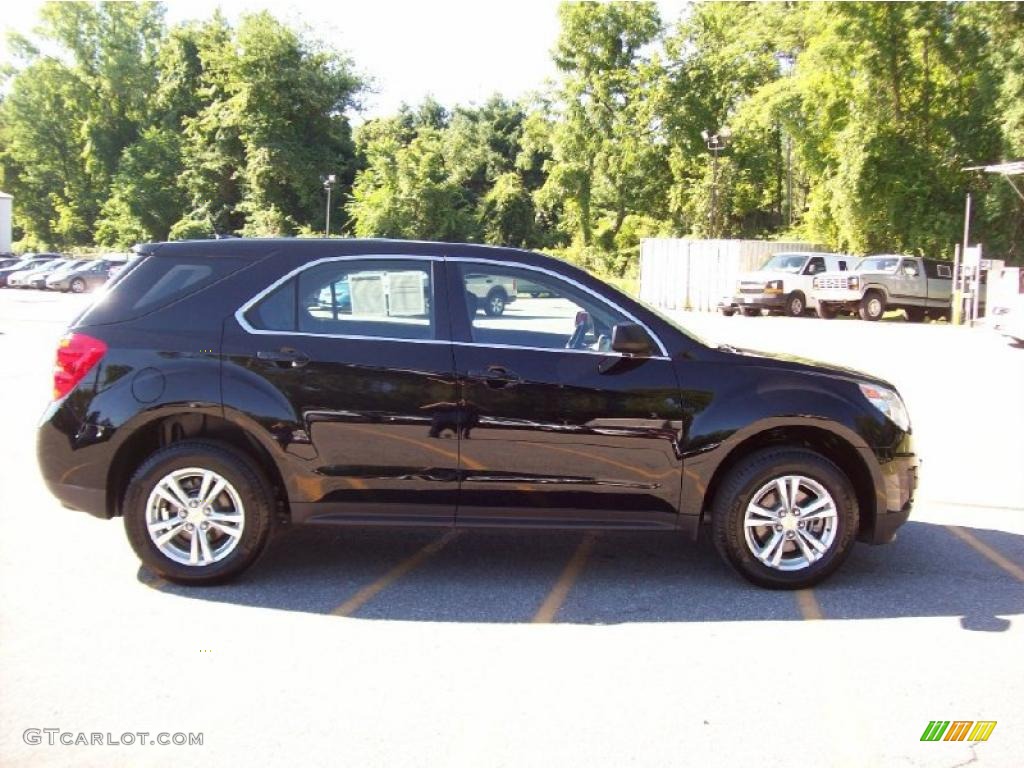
(854, 282)
(889, 403)
(773, 286)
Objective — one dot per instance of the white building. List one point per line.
(6, 201)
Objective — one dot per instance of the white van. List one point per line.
(783, 283)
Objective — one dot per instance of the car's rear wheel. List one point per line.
(785, 518)
(872, 306)
(198, 512)
(728, 311)
(78, 285)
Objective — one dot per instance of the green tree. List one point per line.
(607, 159)
(273, 121)
(70, 114)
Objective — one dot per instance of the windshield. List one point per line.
(879, 264)
(785, 262)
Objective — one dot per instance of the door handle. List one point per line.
(496, 377)
(285, 357)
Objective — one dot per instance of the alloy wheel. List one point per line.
(790, 523)
(195, 516)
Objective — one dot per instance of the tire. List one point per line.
(78, 285)
(872, 306)
(494, 304)
(728, 311)
(825, 311)
(746, 483)
(915, 314)
(246, 486)
(750, 311)
(796, 304)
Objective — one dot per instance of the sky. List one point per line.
(458, 51)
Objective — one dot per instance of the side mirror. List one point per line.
(630, 339)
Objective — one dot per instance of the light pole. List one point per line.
(328, 181)
(786, 61)
(715, 142)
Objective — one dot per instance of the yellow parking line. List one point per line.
(808, 605)
(367, 593)
(553, 602)
(981, 547)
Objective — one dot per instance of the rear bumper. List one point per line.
(69, 476)
(81, 499)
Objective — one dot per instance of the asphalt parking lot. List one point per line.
(347, 647)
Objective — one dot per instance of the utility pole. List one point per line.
(786, 60)
(715, 142)
(329, 181)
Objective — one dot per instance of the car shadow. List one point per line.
(505, 576)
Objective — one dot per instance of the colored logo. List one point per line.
(958, 730)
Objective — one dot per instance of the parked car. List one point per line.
(38, 278)
(782, 284)
(6, 261)
(1007, 316)
(921, 287)
(493, 293)
(28, 262)
(25, 277)
(82, 277)
(207, 401)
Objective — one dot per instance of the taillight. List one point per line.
(76, 355)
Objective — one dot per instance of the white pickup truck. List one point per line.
(782, 284)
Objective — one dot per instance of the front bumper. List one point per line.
(759, 300)
(900, 482)
(836, 296)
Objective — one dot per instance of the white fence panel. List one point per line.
(680, 273)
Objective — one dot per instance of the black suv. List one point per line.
(222, 389)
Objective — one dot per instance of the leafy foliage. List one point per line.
(851, 124)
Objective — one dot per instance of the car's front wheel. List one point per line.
(78, 285)
(785, 518)
(795, 304)
(494, 305)
(198, 512)
(872, 306)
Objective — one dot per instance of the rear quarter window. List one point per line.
(153, 282)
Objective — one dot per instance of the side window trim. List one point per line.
(435, 261)
(438, 276)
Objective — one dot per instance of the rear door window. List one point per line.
(376, 298)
